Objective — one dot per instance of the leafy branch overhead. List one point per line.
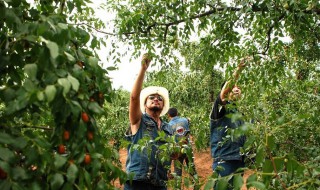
(254, 24)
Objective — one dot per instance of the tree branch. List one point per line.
(37, 127)
(269, 33)
(165, 33)
(210, 12)
(275, 169)
(98, 30)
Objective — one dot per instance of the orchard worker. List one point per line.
(145, 108)
(226, 151)
(181, 129)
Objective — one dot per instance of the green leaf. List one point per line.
(52, 46)
(5, 185)
(93, 62)
(31, 70)
(94, 107)
(8, 94)
(20, 143)
(74, 82)
(237, 181)
(72, 173)
(63, 26)
(59, 160)
(35, 186)
(6, 154)
(54, 49)
(256, 184)
(261, 153)
(87, 178)
(75, 107)
(6, 138)
(50, 92)
(267, 168)
(279, 162)
(222, 184)
(65, 84)
(69, 56)
(19, 173)
(252, 177)
(56, 181)
(270, 142)
(29, 86)
(40, 95)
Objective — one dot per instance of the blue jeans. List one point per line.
(142, 185)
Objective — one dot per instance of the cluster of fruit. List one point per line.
(66, 137)
(96, 96)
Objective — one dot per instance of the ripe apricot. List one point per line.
(100, 95)
(66, 135)
(71, 161)
(90, 135)
(175, 156)
(85, 117)
(80, 63)
(61, 149)
(87, 159)
(3, 174)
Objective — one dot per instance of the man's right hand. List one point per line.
(243, 61)
(145, 62)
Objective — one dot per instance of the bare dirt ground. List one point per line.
(202, 161)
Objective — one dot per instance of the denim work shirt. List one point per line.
(180, 127)
(145, 165)
(220, 122)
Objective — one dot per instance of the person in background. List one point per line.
(226, 152)
(181, 129)
(145, 110)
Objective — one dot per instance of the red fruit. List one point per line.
(90, 135)
(87, 159)
(66, 135)
(80, 63)
(175, 156)
(3, 174)
(100, 95)
(61, 149)
(85, 117)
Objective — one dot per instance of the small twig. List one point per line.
(275, 170)
(37, 127)
(269, 33)
(98, 30)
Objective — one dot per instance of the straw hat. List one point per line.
(155, 90)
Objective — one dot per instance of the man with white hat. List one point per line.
(145, 108)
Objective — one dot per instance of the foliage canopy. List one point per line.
(51, 82)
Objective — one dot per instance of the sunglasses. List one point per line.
(152, 97)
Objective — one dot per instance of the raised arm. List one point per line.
(228, 86)
(134, 105)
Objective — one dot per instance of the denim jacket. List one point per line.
(145, 165)
(220, 122)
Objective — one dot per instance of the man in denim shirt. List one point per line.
(224, 150)
(145, 108)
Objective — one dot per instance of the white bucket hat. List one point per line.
(155, 90)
